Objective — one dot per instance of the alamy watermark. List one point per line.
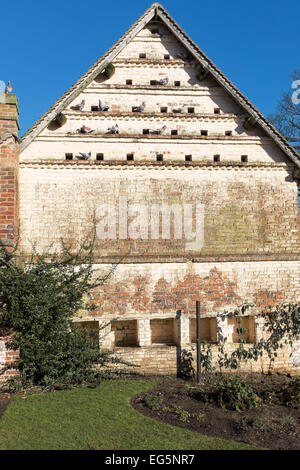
(296, 94)
(125, 221)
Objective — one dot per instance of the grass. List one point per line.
(94, 418)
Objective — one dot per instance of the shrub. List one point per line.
(38, 300)
(153, 403)
(234, 393)
(291, 395)
(178, 412)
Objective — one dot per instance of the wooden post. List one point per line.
(198, 341)
(178, 348)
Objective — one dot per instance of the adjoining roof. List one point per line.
(157, 11)
(7, 135)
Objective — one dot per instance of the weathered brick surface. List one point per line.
(251, 250)
(8, 168)
(8, 360)
(8, 201)
(246, 210)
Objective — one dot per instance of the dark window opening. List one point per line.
(129, 156)
(188, 158)
(217, 111)
(142, 56)
(99, 156)
(228, 133)
(154, 31)
(174, 132)
(217, 158)
(128, 82)
(164, 110)
(153, 82)
(244, 158)
(159, 157)
(94, 108)
(145, 131)
(204, 132)
(167, 56)
(191, 110)
(177, 83)
(69, 156)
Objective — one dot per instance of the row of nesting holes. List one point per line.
(159, 157)
(203, 133)
(164, 109)
(143, 56)
(153, 82)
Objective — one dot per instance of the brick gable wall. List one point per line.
(9, 157)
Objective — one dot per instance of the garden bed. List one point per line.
(4, 401)
(182, 403)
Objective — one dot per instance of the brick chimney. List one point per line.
(9, 128)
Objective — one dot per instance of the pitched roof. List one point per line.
(157, 11)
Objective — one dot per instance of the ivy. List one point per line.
(281, 326)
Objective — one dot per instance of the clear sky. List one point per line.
(47, 46)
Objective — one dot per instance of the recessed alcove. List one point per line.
(245, 323)
(125, 332)
(164, 331)
(208, 329)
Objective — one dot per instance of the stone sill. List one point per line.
(174, 346)
(143, 87)
(146, 163)
(153, 114)
(150, 347)
(154, 61)
(191, 137)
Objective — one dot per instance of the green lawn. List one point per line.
(94, 418)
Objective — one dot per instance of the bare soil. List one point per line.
(270, 426)
(4, 401)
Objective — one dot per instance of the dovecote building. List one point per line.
(154, 129)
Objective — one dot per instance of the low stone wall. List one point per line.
(8, 360)
(164, 359)
(158, 359)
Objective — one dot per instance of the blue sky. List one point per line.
(47, 46)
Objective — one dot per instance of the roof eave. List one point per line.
(157, 10)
